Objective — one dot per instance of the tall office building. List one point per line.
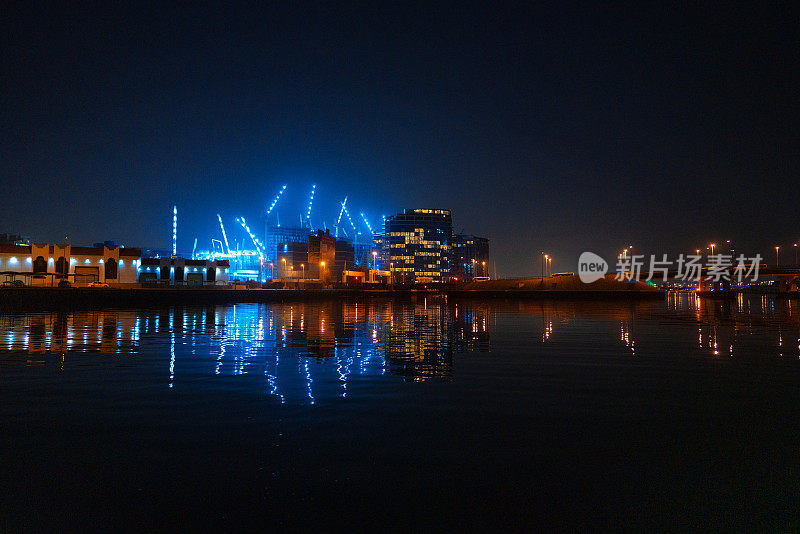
(469, 257)
(419, 243)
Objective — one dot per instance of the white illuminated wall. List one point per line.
(20, 259)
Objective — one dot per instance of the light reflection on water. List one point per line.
(309, 342)
(310, 351)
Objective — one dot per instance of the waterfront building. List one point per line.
(345, 258)
(470, 257)
(305, 260)
(42, 264)
(292, 260)
(380, 244)
(419, 242)
(181, 271)
(275, 235)
(322, 254)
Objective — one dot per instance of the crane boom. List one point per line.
(310, 202)
(256, 242)
(346, 212)
(366, 222)
(341, 211)
(276, 199)
(224, 237)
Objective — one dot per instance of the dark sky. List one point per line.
(581, 127)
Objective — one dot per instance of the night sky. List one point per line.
(582, 127)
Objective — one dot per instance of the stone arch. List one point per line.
(62, 265)
(39, 265)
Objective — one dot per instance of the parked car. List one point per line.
(64, 283)
(98, 284)
(13, 283)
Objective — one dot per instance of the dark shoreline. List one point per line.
(11, 298)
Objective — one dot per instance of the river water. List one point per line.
(422, 413)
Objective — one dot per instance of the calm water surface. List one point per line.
(428, 413)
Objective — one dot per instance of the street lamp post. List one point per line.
(712, 248)
(284, 266)
(321, 269)
(795, 253)
(483, 269)
(303, 265)
(777, 261)
(374, 260)
(391, 273)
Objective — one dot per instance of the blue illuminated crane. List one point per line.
(339, 220)
(276, 199)
(224, 237)
(310, 202)
(366, 222)
(352, 224)
(256, 241)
